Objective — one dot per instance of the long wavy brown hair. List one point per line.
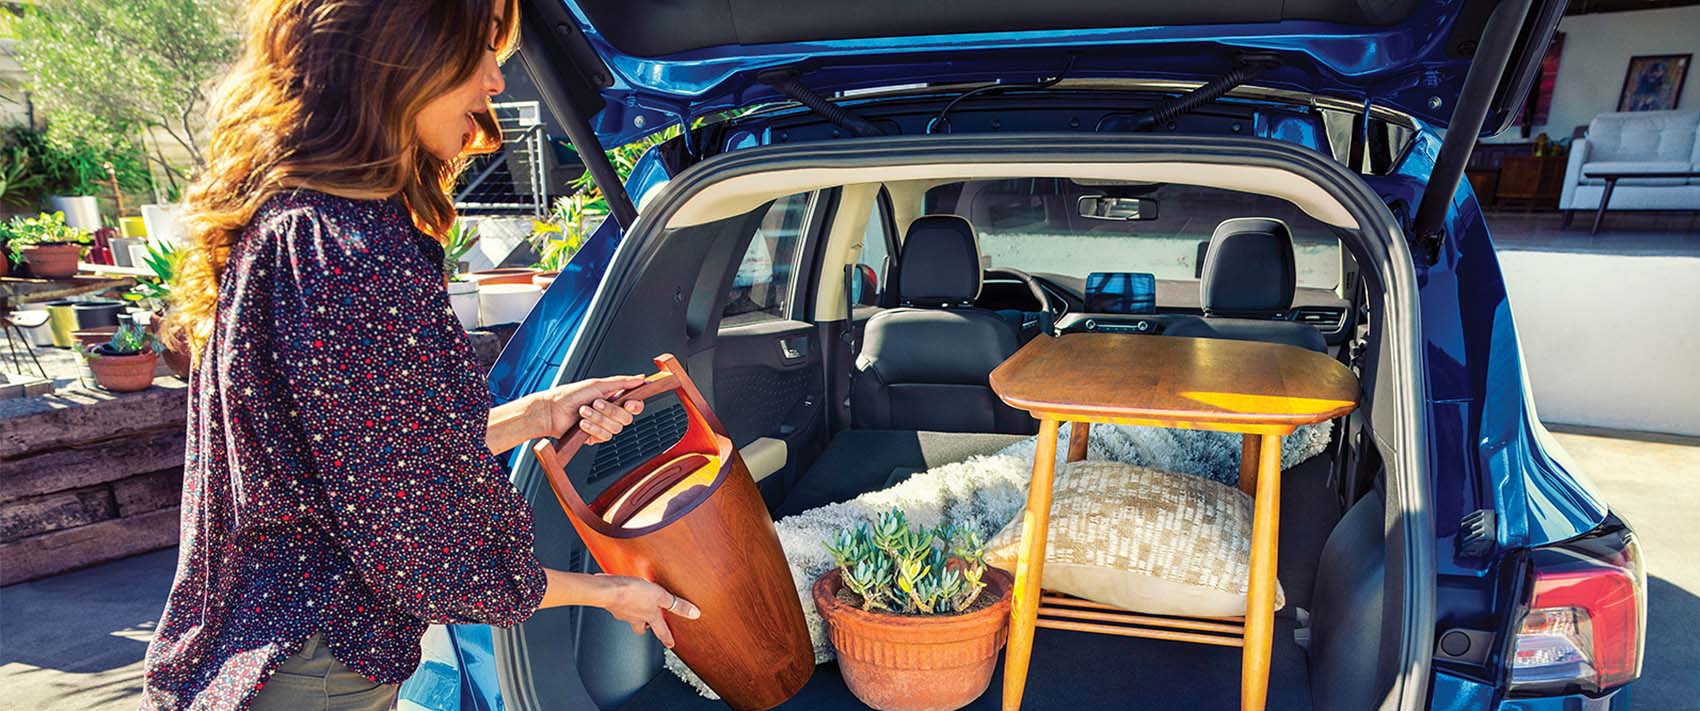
(325, 97)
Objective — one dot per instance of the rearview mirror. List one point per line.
(1105, 207)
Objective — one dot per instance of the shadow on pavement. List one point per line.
(1670, 672)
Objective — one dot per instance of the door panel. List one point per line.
(768, 384)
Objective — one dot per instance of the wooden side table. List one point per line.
(1261, 390)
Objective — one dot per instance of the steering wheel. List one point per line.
(1047, 309)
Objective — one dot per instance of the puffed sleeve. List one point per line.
(394, 413)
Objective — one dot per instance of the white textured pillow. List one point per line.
(1144, 540)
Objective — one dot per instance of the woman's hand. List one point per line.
(634, 601)
(641, 603)
(585, 404)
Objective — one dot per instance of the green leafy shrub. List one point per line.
(45, 228)
(897, 568)
(462, 236)
(164, 260)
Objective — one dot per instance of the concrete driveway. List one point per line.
(76, 641)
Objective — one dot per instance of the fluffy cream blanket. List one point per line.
(987, 492)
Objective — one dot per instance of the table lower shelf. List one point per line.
(1062, 612)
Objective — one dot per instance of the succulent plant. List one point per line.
(130, 339)
(898, 568)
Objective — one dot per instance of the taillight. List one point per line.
(1583, 626)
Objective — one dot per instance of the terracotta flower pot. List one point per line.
(124, 373)
(917, 662)
(511, 275)
(176, 346)
(53, 261)
(544, 279)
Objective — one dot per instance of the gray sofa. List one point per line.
(1666, 141)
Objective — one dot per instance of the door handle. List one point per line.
(796, 348)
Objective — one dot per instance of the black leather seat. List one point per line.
(925, 365)
(1249, 277)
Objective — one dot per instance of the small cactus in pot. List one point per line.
(125, 363)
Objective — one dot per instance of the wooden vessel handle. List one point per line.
(656, 384)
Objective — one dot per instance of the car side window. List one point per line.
(761, 290)
(876, 246)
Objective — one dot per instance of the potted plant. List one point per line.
(915, 614)
(44, 242)
(463, 294)
(165, 260)
(561, 236)
(126, 363)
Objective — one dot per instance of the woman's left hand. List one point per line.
(585, 404)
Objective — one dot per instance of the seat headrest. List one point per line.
(940, 262)
(1248, 269)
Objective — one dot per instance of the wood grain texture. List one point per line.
(718, 549)
(47, 554)
(1030, 566)
(1260, 593)
(1248, 463)
(1189, 383)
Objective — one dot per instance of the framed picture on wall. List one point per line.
(1653, 82)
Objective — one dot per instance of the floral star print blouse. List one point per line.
(337, 479)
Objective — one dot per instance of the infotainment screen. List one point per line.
(1121, 293)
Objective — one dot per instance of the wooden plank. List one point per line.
(1201, 383)
(1128, 618)
(74, 416)
(51, 512)
(148, 492)
(1121, 631)
(72, 548)
(90, 463)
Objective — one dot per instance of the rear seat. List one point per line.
(859, 461)
(1249, 278)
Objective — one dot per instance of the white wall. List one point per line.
(1596, 54)
(1609, 340)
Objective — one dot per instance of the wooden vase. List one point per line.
(692, 521)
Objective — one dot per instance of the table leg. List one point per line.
(1029, 567)
(1077, 434)
(1605, 199)
(1260, 593)
(1248, 464)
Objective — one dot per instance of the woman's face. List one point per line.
(445, 125)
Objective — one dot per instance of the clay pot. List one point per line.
(124, 373)
(53, 261)
(92, 338)
(917, 662)
(544, 279)
(176, 346)
(513, 275)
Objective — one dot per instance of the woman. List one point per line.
(341, 488)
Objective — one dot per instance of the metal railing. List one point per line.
(513, 179)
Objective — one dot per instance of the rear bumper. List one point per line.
(1454, 693)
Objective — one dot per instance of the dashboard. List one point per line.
(1176, 300)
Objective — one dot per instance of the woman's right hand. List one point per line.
(635, 601)
(642, 604)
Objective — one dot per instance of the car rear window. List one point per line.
(1034, 224)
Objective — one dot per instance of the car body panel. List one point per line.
(1486, 448)
(1416, 65)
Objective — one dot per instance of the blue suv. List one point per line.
(1440, 553)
